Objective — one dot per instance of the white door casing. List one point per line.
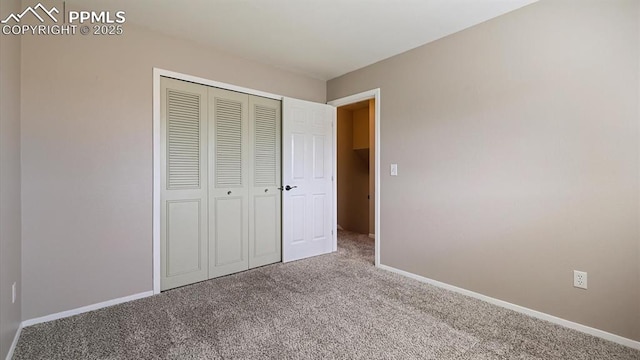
(352, 99)
(308, 174)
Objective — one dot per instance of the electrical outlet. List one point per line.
(13, 293)
(580, 279)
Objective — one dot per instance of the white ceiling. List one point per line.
(320, 38)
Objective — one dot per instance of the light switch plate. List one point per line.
(394, 169)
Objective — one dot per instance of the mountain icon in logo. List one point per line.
(34, 11)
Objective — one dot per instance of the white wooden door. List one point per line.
(228, 182)
(183, 194)
(307, 179)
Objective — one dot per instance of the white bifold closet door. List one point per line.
(265, 197)
(228, 182)
(222, 149)
(184, 184)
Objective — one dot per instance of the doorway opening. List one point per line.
(356, 186)
(361, 154)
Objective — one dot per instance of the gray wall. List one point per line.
(87, 157)
(9, 181)
(517, 150)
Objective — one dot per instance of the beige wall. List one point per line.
(10, 213)
(517, 150)
(353, 177)
(87, 157)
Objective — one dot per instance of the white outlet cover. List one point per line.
(394, 169)
(580, 279)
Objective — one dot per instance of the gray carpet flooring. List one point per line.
(336, 306)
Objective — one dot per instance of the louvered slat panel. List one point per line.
(183, 140)
(265, 146)
(228, 128)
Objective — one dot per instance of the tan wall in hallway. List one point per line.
(361, 128)
(10, 208)
(87, 157)
(517, 150)
(353, 178)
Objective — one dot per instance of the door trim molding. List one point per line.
(157, 74)
(366, 95)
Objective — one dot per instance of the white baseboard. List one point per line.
(373, 236)
(14, 343)
(521, 309)
(340, 227)
(85, 309)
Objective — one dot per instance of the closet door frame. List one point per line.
(157, 74)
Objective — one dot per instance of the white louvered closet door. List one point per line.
(220, 174)
(228, 182)
(183, 195)
(265, 239)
